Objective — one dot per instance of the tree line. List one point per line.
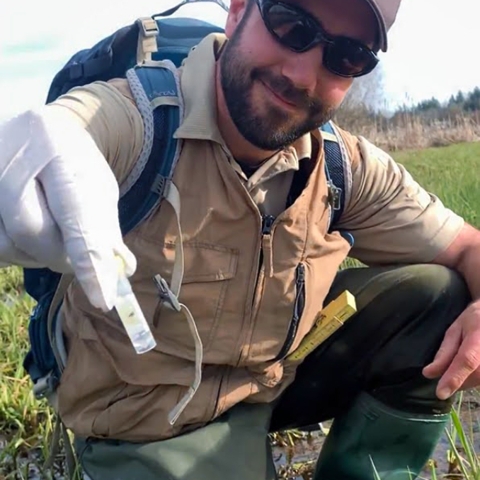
(461, 103)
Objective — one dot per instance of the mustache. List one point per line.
(285, 89)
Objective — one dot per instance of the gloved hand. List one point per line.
(58, 202)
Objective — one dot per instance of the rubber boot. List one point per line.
(373, 441)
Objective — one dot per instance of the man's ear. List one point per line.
(237, 10)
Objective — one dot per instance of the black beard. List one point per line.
(273, 130)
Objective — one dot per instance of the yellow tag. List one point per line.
(327, 322)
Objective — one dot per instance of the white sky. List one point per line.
(433, 46)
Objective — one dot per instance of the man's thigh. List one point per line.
(402, 315)
(234, 447)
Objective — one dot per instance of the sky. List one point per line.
(433, 47)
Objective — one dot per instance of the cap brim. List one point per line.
(382, 27)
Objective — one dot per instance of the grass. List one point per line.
(452, 173)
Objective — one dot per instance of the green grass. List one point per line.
(452, 173)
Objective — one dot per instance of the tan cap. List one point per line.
(386, 12)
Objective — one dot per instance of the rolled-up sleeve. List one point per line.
(392, 218)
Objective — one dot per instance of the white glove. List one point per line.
(58, 202)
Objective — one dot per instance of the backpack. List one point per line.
(128, 53)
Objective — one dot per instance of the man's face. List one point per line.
(275, 95)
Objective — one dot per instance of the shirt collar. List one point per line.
(197, 81)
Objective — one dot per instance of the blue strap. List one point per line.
(335, 171)
(149, 189)
(335, 164)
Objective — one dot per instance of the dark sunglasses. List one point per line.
(299, 31)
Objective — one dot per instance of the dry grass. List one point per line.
(407, 131)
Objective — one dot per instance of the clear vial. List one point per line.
(132, 317)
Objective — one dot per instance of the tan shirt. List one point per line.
(393, 219)
(243, 311)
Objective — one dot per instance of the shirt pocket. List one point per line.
(207, 271)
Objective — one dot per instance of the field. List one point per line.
(451, 172)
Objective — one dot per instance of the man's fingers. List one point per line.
(445, 354)
(465, 362)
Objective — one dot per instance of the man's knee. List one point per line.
(409, 289)
(434, 297)
(436, 279)
(431, 284)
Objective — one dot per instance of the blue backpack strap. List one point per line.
(337, 170)
(150, 178)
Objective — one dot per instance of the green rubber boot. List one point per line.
(373, 441)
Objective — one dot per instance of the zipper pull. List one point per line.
(267, 222)
(267, 250)
(300, 274)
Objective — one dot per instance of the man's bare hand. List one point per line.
(457, 361)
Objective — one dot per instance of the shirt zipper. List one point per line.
(298, 308)
(266, 230)
(267, 224)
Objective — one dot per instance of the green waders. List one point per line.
(371, 437)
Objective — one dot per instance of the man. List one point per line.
(251, 150)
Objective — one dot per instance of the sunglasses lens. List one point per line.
(348, 58)
(297, 31)
(289, 26)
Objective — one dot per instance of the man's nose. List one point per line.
(305, 70)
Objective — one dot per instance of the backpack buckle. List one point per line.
(147, 39)
(334, 196)
(148, 27)
(166, 295)
(45, 386)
